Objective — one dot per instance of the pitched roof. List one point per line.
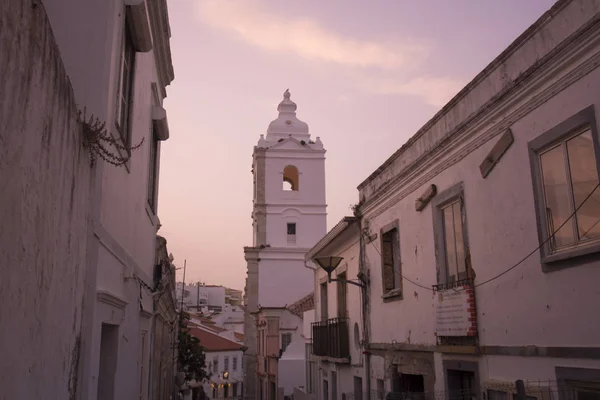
(304, 304)
(213, 342)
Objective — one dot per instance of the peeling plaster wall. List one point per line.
(45, 178)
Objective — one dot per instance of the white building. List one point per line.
(335, 353)
(469, 287)
(117, 56)
(211, 298)
(289, 216)
(223, 363)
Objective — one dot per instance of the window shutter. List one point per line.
(388, 265)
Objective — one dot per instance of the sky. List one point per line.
(365, 74)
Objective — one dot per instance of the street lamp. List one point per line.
(330, 263)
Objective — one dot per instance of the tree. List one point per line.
(192, 360)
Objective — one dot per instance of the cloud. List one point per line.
(377, 66)
(306, 38)
(435, 91)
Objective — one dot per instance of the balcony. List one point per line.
(331, 338)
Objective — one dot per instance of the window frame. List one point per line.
(287, 335)
(324, 299)
(440, 201)
(578, 254)
(123, 117)
(288, 226)
(234, 363)
(154, 149)
(342, 294)
(572, 378)
(395, 293)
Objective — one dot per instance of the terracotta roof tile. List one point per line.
(213, 342)
(304, 304)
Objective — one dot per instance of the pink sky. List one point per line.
(365, 75)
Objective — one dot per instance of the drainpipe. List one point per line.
(365, 304)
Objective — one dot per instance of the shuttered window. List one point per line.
(390, 261)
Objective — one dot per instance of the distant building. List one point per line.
(223, 363)
(210, 298)
(289, 215)
(164, 335)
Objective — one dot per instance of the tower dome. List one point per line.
(287, 124)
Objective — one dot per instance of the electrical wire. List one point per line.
(544, 242)
(402, 276)
(524, 258)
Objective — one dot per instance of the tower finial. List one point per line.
(286, 94)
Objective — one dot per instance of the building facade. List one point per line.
(117, 56)
(289, 216)
(480, 237)
(45, 175)
(164, 332)
(223, 364)
(336, 363)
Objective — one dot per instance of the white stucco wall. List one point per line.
(89, 37)
(292, 364)
(281, 280)
(345, 245)
(46, 181)
(502, 230)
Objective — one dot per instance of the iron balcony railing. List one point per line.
(331, 338)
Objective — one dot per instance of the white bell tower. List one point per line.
(289, 214)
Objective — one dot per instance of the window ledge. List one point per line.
(137, 14)
(392, 295)
(572, 257)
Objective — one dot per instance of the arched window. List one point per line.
(291, 178)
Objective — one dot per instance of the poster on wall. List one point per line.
(453, 313)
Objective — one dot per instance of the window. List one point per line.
(286, 339)
(291, 233)
(291, 228)
(390, 262)
(290, 179)
(342, 295)
(565, 165)
(234, 362)
(153, 172)
(454, 244)
(450, 228)
(216, 365)
(324, 301)
(225, 363)
(125, 87)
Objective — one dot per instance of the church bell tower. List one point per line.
(289, 217)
